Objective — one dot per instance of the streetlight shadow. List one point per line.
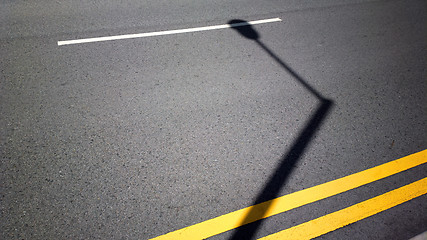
(279, 177)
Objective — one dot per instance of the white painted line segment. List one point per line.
(168, 32)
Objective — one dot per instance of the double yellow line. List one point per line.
(323, 224)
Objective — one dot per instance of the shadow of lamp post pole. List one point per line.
(279, 177)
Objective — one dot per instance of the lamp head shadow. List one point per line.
(244, 28)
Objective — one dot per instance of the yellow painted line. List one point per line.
(346, 216)
(278, 205)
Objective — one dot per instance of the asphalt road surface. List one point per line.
(135, 138)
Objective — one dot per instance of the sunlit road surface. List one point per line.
(278, 127)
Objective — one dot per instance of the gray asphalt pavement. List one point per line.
(131, 139)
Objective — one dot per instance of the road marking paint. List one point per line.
(346, 216)
(168, 32)
(278, 205)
